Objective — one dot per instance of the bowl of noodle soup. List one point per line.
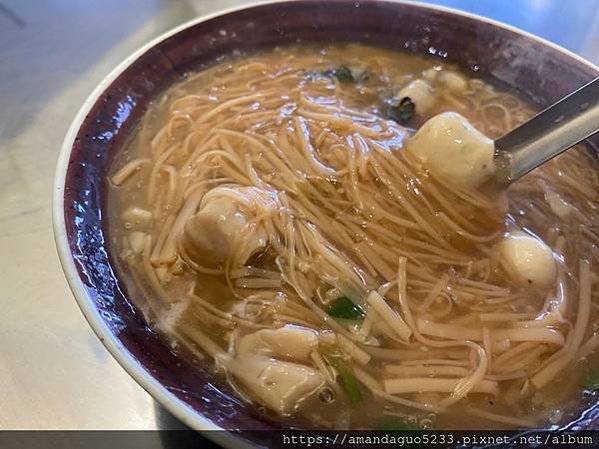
(254, 216)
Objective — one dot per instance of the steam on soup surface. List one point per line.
(276, 217)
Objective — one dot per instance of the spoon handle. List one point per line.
(550, 132)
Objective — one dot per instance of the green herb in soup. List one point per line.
(402, 111)
(343, 307)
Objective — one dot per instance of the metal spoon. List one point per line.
(549, 133)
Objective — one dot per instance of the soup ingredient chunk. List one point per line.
(453, 149)
(421, 93)
(272, 364)
(228, 226)
(528, 260)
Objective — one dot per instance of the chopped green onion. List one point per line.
(342, 73)
(345, 308)
(347, 378)
(395, 425)
(591, 381)
(401, 111)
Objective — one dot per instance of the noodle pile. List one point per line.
(349, 212)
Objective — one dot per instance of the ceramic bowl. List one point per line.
(540, 71)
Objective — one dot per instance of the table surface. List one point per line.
(54, 372)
